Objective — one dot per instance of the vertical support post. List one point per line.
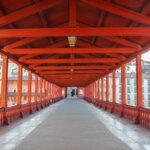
(139, 87)
(36, 88)
(114, 86)
(123, 80)
(98, 91)
(139, 80)
(19, 101)
(93, 92)
(4, 82)
(41, 80)
(102, 89)
(107, 88)
(29, 86)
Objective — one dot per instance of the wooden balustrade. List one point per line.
(10, 114)
(136, 115)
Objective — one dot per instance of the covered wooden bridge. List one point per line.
(101, 47)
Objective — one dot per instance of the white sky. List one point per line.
(146, 56)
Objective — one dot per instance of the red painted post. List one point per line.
(139, 80)
(19, 101)
(102, 89)
(29, 86)
(123, 80)
(4, 82)
(107, 88)
(98, 91)
(139, 86)
(41, 80)
(36, 88)
(114, 87)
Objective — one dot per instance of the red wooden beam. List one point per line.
(71, 72)
(58, 44)
(30, 10)
(71, 67)
(21, 42)
(72, 13)
(44, 21)
(118, 40)
(63, 61)
(70, 50)
(118, 10)
(56, 32)
(123, 42)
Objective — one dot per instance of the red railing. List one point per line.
(135, 114)
(10, 114)
(144, 117)
(1, 116)
(131, 113)
(110, 107)
(118, 109)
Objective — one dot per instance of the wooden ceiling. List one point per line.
(109, 32)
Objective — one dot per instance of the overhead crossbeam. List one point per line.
(77, 61)
(70, 72)
(30, 10)
(60, 32)
(70, 50)
(120, 11)
(71, 67)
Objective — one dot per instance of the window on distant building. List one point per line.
(131, 82)
(149, 89)
(135, 89)
(128, 82)
(128, 89)
(12, 83)
(143, 89)
(148, 96)
(143, 96)
(118, 91)
(148, 81)
(128, 97)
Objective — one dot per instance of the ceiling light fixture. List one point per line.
(72, 41)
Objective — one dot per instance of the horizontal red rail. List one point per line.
(136, 115)
(10, 114)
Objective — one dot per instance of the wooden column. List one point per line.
(98, 90)
(139, 80)
(114, 86)
(29, 86)
(123, 81)
(19, 101)
(102, 89)
(4, 82)
(41, 80)
(36, 88)
(107, 88)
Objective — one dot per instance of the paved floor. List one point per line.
(73, 124)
